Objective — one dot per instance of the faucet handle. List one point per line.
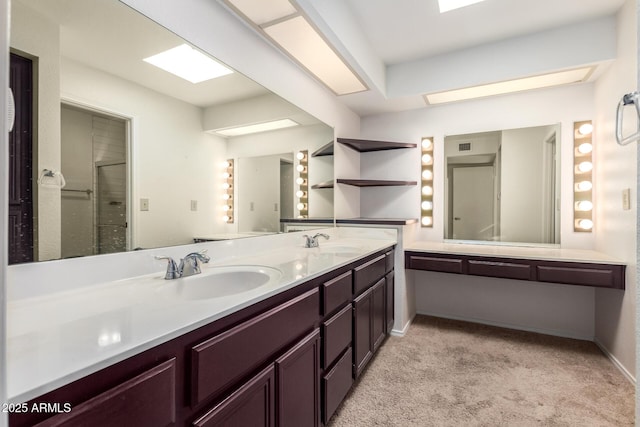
(326, 236)
(173, 272)
(200, 256)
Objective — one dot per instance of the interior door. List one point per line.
(473, 203)
(21, 162)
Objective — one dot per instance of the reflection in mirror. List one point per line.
(118, 154)
(504, 186)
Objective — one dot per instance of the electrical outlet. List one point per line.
(626, 199)
(194, 205)
(144, 204)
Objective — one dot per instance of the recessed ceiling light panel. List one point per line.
(510, 86)
(188, 63)
(447, 5)
(297, 37)
(261, 12)
(258, 127)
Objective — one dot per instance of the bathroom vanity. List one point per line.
(288, 359)
(539, 264)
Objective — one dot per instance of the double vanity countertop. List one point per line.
(59, 337)
(513, 252)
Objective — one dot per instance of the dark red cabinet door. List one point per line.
(298, 379)
(378, 325)
(362, 345)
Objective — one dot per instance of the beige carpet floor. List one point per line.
(452, 373)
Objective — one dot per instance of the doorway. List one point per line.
(21, 197)
(473, 202)
(94, 149)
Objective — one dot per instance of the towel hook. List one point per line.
(629, 98)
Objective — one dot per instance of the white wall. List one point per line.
(615, 169)
(174, 160)
(570, 310)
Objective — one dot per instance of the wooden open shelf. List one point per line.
(325, 150)
(325, 184)
(375, 182)
(366, 145)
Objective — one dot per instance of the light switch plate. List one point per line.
(626, 199)
(144, 204)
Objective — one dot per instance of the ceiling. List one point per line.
(384, 40)
(394, 45)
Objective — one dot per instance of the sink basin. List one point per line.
(218, 282)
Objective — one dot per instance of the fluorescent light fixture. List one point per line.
(258, 127)
(305, 45)
(510, 86)
(189, 64)
(447, 5)
(288, 28)
(261, 12)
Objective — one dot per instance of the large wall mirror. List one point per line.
(111, 152)
(504, 186)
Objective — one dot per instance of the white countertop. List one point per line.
(505, 251)
(56, 338)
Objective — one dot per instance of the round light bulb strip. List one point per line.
(426, 183)
(583, 176)
(302, 194)
(227, 196)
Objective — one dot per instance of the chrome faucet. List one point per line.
(312, 242)
(189, 265)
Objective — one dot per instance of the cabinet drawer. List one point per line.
(335, 385)
(221, 361)
(337, 335)
(604, 277)
(389, 259)
(367, 274)
(336, 292)
(506, 270)
(147, 399)
(443, 265)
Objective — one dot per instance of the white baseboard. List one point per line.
(553, 332)
(615, 362)
(402, 332)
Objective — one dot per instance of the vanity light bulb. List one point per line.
(585, 224)
(226, 207)
(585, 166)
(226, 197)
(225, 218)
(585, 129)
(226, 175)
(584, 186)
(584, 205)
(585, 148)
(226, 164)
(301, 168)
(226, 186)
(300, 194)
(300, 155)
(301, 206)
(427, 220)
(426, 158)
(427, 144)
(427, 174)
(427, 190)
(427, 205)
(300, 181)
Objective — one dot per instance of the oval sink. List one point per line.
(218, 282)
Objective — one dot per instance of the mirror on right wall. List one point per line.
(504, 186)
